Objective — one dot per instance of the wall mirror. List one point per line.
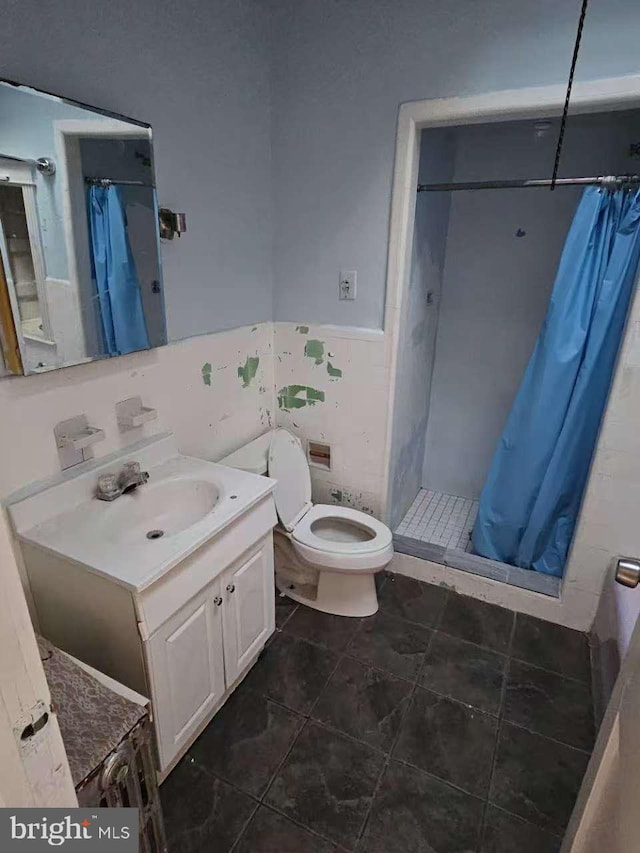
(80, 273)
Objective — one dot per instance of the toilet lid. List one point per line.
(288, 465)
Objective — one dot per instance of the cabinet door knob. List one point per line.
(217, 600)
(231, 587)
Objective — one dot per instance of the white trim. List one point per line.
(21, 175)
(37, 257)
(38, 775)
(15, 172)
(100, 127)
(576, 606)
(360, 333)
(13, 300)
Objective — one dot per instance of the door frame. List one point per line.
(21, 175)
(578, 601)
(36, 775)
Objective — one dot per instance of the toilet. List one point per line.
(326, 556)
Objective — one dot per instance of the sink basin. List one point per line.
(142, 535)
(157, 510)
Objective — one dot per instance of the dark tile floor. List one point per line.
(440, 724)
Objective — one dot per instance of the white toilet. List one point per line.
(326, 556)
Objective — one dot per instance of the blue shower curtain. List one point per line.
(530, 501)
(121, 317)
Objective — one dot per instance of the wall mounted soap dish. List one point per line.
(74, 440)
(131, 414)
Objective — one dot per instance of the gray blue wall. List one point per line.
(199, 73)
(497, 285)
(324, 95)
(340, 71)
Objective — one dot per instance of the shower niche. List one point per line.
(484, 263)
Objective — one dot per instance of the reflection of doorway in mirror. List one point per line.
(22, 261)
(55, 152)
(16, 238)
(10, 341)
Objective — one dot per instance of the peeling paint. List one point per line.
(206, 373)
(314, 349)
(363, 501)
(334, 372)
(304, 330)
(248, 370)
(298, 396)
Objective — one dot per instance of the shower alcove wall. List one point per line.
(483, 265)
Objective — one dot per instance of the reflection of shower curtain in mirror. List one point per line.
(114, 273)
(531, 499)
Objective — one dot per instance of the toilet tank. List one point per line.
(252, 457)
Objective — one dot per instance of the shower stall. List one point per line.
(484, 263)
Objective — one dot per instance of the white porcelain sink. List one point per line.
(186, 501)
(159, 509)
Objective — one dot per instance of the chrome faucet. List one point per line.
(111, 486)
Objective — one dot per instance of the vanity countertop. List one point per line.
(110, 538)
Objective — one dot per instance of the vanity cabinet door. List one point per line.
(186, 668)
(249, 609)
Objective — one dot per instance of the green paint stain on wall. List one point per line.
(334, 372)
(314, 349)
(337, 495)
(247, 371)
(298, 396)
(255, 329)
(304, 330)
(206, 373)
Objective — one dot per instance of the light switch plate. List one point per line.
(347, 284)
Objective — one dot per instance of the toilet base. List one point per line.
(337, 593)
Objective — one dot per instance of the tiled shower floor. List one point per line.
(438, 527)
(440, 519)
(443, 723)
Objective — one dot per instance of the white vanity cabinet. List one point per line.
(196, 657)
(248, 611)
(185, 660)
(180, 618)
(185, 641)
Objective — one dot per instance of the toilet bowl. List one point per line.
(326, 556)
(345, 546)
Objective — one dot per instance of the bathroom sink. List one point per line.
(159, 509)
(137, 538)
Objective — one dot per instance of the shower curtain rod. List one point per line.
(107, 182)
(609, 182)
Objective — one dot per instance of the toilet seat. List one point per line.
(337, 538)
(354, 532)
